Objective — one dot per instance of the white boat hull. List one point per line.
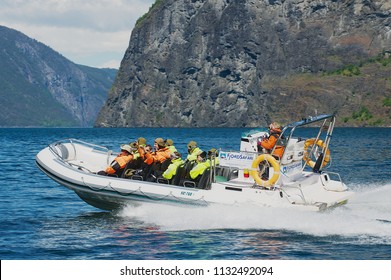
(74, 165)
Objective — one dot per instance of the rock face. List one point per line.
(215, 62)
(40, 87)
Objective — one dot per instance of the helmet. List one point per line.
(142, 141)
(133, 146)
(160, 142)
(212, 152)
(192, 145)
(169, 142)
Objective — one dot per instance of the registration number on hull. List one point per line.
(186, 193)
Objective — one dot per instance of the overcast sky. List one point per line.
(89, 32)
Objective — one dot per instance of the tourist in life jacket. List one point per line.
(193, 151)
(267, 144)
(141, 143)
(160, 156)
(139, 155)
(137, 160)
(170, 145)
(213, 156)
(147, 154)
(161, 151)
(176, 161)
(118, 164)
(201, 166)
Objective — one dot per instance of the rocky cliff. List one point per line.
(244, 62)
(40, 87)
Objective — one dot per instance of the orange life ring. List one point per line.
(307, 159)
(255, 172)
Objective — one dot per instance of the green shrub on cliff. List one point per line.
(387, 102)
(362, 115)
(140, 19)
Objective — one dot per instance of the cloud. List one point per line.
(90, 32)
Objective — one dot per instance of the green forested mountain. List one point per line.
(40, 87)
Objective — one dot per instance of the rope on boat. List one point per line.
(183, 200)
(126, 193)
(134, 191)
(109, 186)
(155, 198)
(162, 197)
(92, 188)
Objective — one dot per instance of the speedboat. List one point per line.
(297, 180)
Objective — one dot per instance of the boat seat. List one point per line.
(63, 150)
(183, 173)
(157, 170)
(204, 182)
(178, 175)
(201, 182)
(127, 173)
(149, 170)
(162, 180)
(165, 164)
(189, 184)
(134, 164)
(222, 171)
(128, 170)
(189, 166)
(130, 173)
(133, 167)
(137, 178)
(227, 172)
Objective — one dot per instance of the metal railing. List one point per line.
(60, 147)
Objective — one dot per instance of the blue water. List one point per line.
(43, 220)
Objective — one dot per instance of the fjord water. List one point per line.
(43, 220)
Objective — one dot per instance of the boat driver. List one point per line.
(267, 144)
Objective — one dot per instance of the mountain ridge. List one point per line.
(213, 63)
(40, 87)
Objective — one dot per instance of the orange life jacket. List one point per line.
(148, 158)
(161, 155)
(278, 151)
(269, 143)
(118, 163)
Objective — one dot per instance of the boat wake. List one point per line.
(366, 216)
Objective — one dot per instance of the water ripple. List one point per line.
(42, 220)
